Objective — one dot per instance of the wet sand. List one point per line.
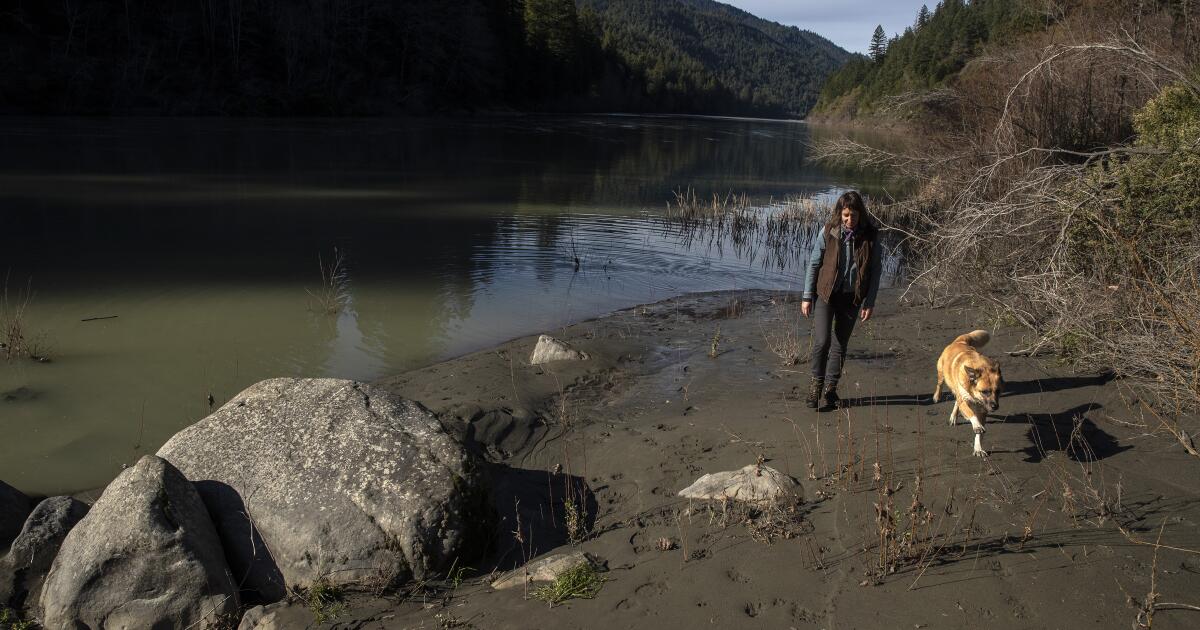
(1028, 538)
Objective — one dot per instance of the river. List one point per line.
(158, 262)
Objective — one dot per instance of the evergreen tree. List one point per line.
(878, 47)
(923, 16)
(551, 25)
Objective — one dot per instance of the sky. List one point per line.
(847, 23)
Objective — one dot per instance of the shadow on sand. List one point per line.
(1012, 388)
(1070, 432)
(532, 508)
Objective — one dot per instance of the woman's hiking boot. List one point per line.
(814, 393)
(830, 400)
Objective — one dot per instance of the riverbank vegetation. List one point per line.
(355, 57)
(1059, 188)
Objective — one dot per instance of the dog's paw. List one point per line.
(980, 453)
(980, 430)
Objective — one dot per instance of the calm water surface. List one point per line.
(202, 237)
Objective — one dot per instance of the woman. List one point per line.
(842, 279)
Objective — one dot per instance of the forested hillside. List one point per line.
(930, 52)
(712, 54)
(273, 57)
(355, 57)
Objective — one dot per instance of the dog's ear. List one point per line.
(972, 373)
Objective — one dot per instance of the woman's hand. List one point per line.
(866, 313)
(806, 308)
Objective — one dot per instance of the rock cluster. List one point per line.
(292, 481)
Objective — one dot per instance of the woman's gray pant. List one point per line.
(839, 314)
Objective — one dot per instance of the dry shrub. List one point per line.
(787, 343)
(1062, 192)
(765, 522)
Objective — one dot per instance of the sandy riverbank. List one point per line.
(1028, 538)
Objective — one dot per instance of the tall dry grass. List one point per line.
(17, 339)
(333, 294)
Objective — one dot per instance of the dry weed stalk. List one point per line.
(1149, 604)
(682, 534)
(802, 440)
(16, 340)
(333, 294)
(574, 498)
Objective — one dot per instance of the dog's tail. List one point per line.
(975, 338)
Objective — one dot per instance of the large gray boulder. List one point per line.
(333, 479)
(24, 568)
(145, 556)
(14, 507)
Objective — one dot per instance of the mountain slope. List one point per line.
(688, 46)
(928, 55)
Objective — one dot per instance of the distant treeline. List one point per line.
(708, 53)
(357, 57)
(938, 44)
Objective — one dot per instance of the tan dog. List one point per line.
(974, 379)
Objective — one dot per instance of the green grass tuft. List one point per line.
(326, 601)
(11, 620)
(581, 581)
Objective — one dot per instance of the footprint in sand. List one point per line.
(734, 576)
(652, 589)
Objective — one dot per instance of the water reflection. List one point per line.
(202, 237)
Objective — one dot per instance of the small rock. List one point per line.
(546, 569)
(550, 349)
(275, 616)
(752, 484)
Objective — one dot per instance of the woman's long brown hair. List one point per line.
(850, 199)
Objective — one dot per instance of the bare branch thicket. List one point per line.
(1005, 192)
